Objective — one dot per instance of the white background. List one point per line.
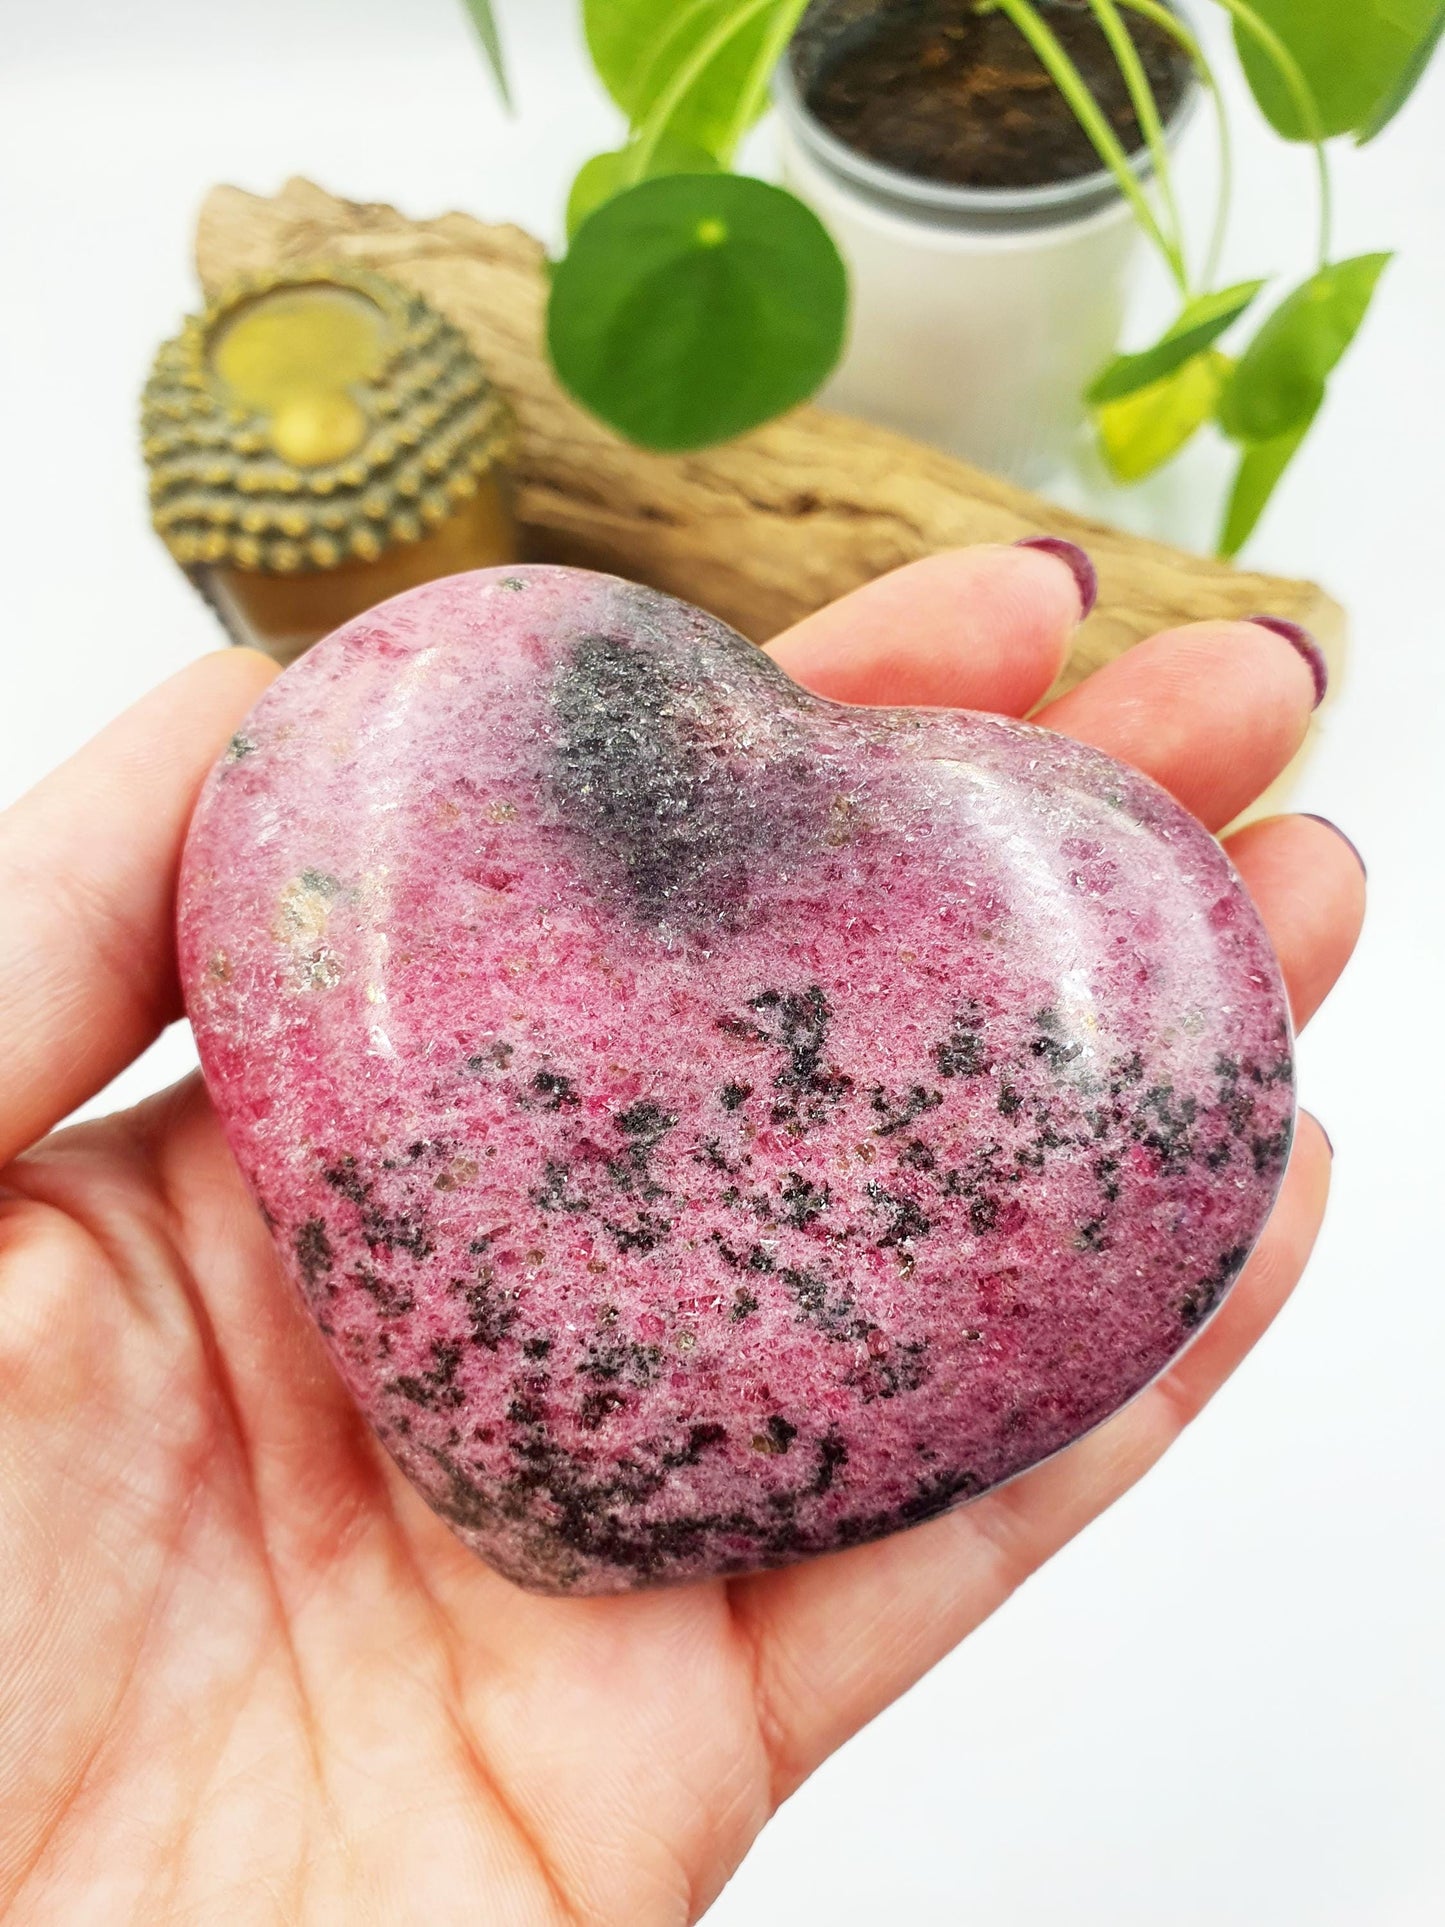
(1226, 1704)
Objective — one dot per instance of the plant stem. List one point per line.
(1146, 108)
(754, 92)
(675, 92)
(1171, 24)
(1288, 69)
(1070, 83)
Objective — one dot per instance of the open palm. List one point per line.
(245, 1675)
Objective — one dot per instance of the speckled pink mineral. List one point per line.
(711, 1125)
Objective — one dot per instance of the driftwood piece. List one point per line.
(762, 530)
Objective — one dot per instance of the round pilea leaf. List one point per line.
(692, 308)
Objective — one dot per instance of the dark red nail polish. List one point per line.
(1329, 1141)
(1086, 576)
(1348, 842)
(1299, 639)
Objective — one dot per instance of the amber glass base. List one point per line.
(284, 614)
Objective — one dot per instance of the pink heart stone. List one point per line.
(712, 1125)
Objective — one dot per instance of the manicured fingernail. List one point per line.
(1348, 842)
(1329, 1142)
(1300, 639)
(1075, 559)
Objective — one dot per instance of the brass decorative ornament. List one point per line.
(318, 439)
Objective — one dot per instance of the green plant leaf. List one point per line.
(1260, 469)
(1356, 55)
(1202, 322)
(607, 174)
(638, 45)
(1409, 80)
(485, 22)
(1279, 383)
(1149, 427)
(691, 309)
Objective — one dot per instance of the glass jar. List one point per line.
(979, 315)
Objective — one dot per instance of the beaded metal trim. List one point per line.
(221, 494)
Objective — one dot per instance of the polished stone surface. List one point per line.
(711, 1125)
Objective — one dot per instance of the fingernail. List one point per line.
(1348, 842)
(1329, 1142)
(1085, 575)
(1301, 640)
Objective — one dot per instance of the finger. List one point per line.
(1214, 712)
(836, 1641)
(1308, 885)
(87, 877)
(983, 628)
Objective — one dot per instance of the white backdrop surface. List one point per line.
(1225, 1705)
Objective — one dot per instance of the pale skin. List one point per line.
(245, 1675)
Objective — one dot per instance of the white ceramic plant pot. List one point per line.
(979, 315)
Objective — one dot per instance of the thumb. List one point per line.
(87, 882)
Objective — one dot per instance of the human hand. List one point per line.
(245, 1675)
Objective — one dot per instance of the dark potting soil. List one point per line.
(935, 90)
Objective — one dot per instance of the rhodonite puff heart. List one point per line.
(711, 1125)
